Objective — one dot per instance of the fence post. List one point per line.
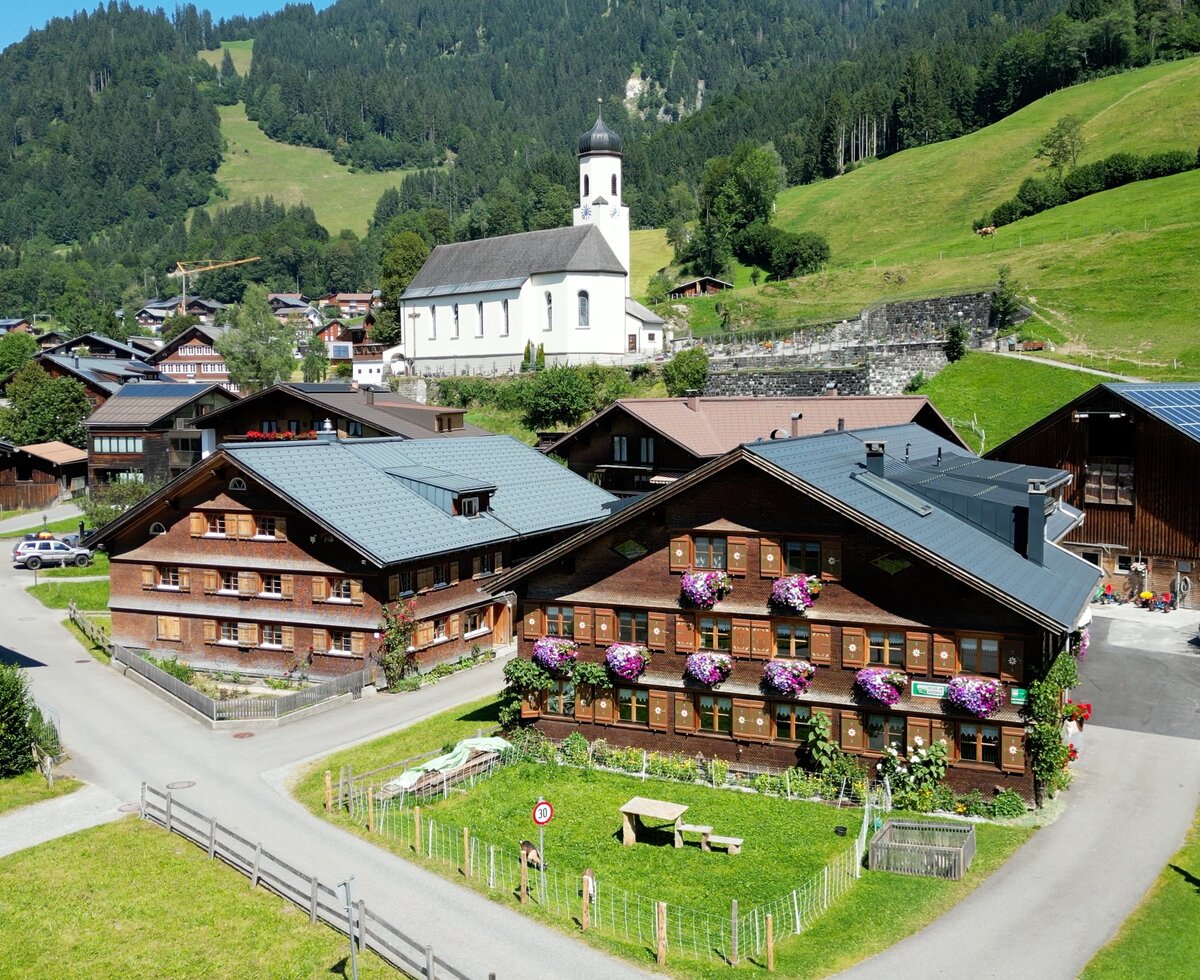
(362, 925)
(257, 862)
(660, 927)
(428, 963)
(168, 819)
(212, 839)
(142, 808)
(466, 855)
(417, 829)
(491, 865)
(370, 809)
(524, 878)
(585, 918)
(342, 788)
(314, 891)
(328, 791)
(825, 901)
(770, 943)
(733, 941)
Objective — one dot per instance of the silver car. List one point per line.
(35, 554)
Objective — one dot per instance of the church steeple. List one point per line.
(600, 139)
(600, 187)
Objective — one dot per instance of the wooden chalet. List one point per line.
(638, 444)
(17, 324)
(933, 563)
(1134, 451)
(101, 365)
(702, 286)
(192, 356)
(38, 475)
(271, 557)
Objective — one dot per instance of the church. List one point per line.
(474, 306)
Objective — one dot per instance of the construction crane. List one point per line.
(184, 269)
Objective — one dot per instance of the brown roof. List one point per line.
(148, 402)
(717, 424)
(56, 452)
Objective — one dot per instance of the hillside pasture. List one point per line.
(242, 53)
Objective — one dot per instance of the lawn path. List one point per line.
(40, 822)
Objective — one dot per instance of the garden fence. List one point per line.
(230, 709)
(930, 850)
(318, 900)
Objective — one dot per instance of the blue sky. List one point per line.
(19, 17)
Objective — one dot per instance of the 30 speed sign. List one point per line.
(543, 813)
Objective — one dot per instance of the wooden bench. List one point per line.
(700, 829)
(733, 845)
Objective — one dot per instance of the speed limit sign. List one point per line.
(543, 813)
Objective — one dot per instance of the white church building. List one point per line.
(474, 306)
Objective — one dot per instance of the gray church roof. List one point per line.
(639, 312)
(506, 262)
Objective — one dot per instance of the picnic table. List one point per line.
(639, 808)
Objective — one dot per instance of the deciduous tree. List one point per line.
(258, 350)
(16, 349)
(686, 371)
(45, 409)
(1063, 144)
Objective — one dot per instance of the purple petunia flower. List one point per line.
(794, 592)
(704, 589)
(789, 676)
(978, 695)
(881, 684)
(556, 654)
(627, 660)
(708, 668)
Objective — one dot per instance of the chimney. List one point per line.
(875, 458)
(796, 417)
(841, 425)
(76, 359)
(831, 388)
(693, 399)
(327, 433)
(369, 394)
(1035, 544)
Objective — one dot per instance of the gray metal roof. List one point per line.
(1174, 403)
(346, 486)
(833, 464)
(490, 286)
(635, 309)
(146, 402)
(514, 258)
(107, 373)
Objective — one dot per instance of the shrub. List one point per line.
(1120, 169)
(412, 683)
(575, 749)
(686, 371)
(175, 667)
(955, 349)
(973, 805)
(1008, 804)
(1166, 163)
(915, 383)
(16, 708)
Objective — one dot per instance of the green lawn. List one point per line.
(56, 595)
(67, 525)
(240, 51)
(128, 900)
(1162, 936)
(1003, 394)
(255, 166)
(18, 791)
(97, 653)
(99, 566)
(648, 253)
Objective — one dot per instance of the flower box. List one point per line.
(1078, 712)
(881, 683)
(555, 654)
(979, 695)
(795, 593)
(788, 676)
(704, 589)
(627, 660)
(708, 668)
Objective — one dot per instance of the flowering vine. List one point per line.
(1079, 643)
(708, 668)
(881, 684)
(555, 654)
(789, 676)
(978, 695)
(704, 589)
(627, 660)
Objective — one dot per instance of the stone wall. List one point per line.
(915, 317)
(410, 386)
(794, 383)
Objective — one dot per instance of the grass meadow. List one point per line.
(30, 787)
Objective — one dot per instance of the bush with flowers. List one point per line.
(881, 683)
(788, 676)
(1079, 643)
(627, 660)
(708, 668)
(794, 593)
(1078, 712)
(1072, 752)
(979, 695)
(704, 589)
(923, 768)
(556, 654)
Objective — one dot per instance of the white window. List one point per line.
(614, 185)
(468, 506)
(168, 577)
(216, 524)
(229, 631)
(229, 581)
(117, 444)
(584, 311)
(504, 325)
(339, 590)
(264, 527)
(272, 585)
(479, 319)
(272, 635)
(549, 311)
(341, 641)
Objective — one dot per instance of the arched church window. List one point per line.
(505, 326)
(614, 185)
(586, 185)
(454, 335)
(583, 308)
(549, 311)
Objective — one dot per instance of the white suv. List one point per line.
(35, 554)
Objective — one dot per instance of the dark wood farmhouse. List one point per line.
(637, 444)
(703, 286)
(38, 475)
(193, 356)
(100, 364)
(267, 557)
(1134, 450)
(930, 561)
(142, 433)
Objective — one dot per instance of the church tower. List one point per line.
(600, 189)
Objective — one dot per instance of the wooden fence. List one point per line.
(232, 709)
(321, 902)
(931, 850)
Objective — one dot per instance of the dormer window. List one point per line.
(468, 506)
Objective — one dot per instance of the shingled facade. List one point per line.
(933, 563)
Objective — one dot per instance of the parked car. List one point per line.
(74, 540)
(35, 554)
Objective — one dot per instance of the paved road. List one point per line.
(120, 735)
(34, 519)
(1065, 365)
(1063, 895)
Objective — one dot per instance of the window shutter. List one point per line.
(681, 554)
(453, 572)
(918, 728)
(424, 633)
(741, 637)
(820, 644)
(1012, 660)
(656, 630)
(320, 588)
(942, 729)
(831, 560)
(735, 553)
(289, 638)
(247, 634)
(246, 526)
(685, 634)
(660, 710)
(212, 580)
(356, 591)
(945, 657)
(476, 566)
(603, 624)
(916, 653)
(358, 643)
(247, 583)
(231, 525)
(535, 623)
(287, 586)
(531, 704)
(852, 736)
(452, 626)
(584, 696)
(685, 713)
(197, 524)
(761, 642)
(185, 580)
(854, 646)
(1012, 749)
(751, 720)
(149, 577)
(770, 558)
(424, 579)
(175, 626)
(210, 631)
(602, 706)
(393, 586)
(280, 528)
(498, 561)
(583, 624)
(320, 641)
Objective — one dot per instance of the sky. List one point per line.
(19, 17)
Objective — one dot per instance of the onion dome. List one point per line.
(600, 139)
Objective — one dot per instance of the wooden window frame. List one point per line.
(805, 543)
(708, 549)
(893, 655)
(555, 623)
(794, 733)
(794, 653)
(715, 714)
(216, 526)
(979, 638)
(336, 637)
(979, 725)
(889, 719)
(262, 636)
(270, 578)
(717, 621)
(638, 626)
(1109, 480)
(558, 695)
(639, 697)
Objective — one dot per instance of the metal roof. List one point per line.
(488, 286)
(346, 486)
(639, 312)
(56, 452)
(1174, 403)
(145, 402)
